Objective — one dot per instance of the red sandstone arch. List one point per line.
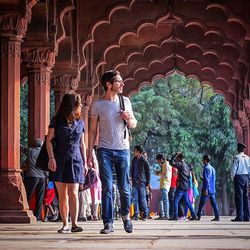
(207, 33)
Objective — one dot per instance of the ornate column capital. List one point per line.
(38, 56)
(10, 46)
(15, 24)
(65, 81)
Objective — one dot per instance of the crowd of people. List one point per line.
(121, 181)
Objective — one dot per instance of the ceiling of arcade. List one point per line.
(151, 39)
(146, 39)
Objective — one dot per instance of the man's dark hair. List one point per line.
(160, 157)
(241, 147)
(139, 148)
(109, 76)
(179, 155)
(206, 158)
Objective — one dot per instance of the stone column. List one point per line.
(87, 101)
(247, 132)
(13, 201)
(39, 62)
(244, 122)
(238, 130)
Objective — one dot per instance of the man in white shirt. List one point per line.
(239, 175)
(112, 121)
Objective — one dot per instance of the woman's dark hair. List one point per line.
(69, 107)
(109, 76)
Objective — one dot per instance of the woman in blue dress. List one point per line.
(67, 159)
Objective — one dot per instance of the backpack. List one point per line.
(122, 107)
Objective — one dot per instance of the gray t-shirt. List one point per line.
(111, 125)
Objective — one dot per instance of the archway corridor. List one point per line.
(178, 114)
(67, 45)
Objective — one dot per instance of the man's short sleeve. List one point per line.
(95, 109)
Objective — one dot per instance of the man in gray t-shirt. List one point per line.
(112, 122)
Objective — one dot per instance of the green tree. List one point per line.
(180, 114)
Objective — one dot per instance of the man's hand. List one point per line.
(86, 168)
(125, 115)
(90, 161)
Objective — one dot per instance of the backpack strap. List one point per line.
(122, 107)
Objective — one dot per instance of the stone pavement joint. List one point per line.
(151, 234)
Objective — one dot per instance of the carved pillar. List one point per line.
(238, 130)
(39, 62)
(63, 84)
(247, 133)
(244, 122)
(13, 202)
(87, 98)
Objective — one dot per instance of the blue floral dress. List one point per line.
(69, 160)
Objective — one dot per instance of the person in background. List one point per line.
(67, 160)
(172, 190)
(96, 190)
(50, 213)
(208, 188)
(140, 175)
(165, 182)
(182, 185)
(34, 180)
(239, 175)
(84, 205)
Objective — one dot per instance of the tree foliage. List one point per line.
(180, 114)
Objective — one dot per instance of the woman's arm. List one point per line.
(49, 147)
(83, 152)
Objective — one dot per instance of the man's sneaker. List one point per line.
(194, 218)
(236, 220)
(128, 226)
(108, 228)
(215, 219)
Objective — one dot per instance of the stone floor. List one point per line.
(151, 234)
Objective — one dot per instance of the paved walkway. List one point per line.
(151, 234)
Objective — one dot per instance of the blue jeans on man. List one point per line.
(179, 194)
(139, 199)
(164, 203)
(121, 161)
(171, 196)
(241, 197)
(214, 205)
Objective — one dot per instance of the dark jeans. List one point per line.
(241, 197)
(171, 195)
(213, 202)
(38, 185)
(139, 199)
(120, 159)
(179, 194)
